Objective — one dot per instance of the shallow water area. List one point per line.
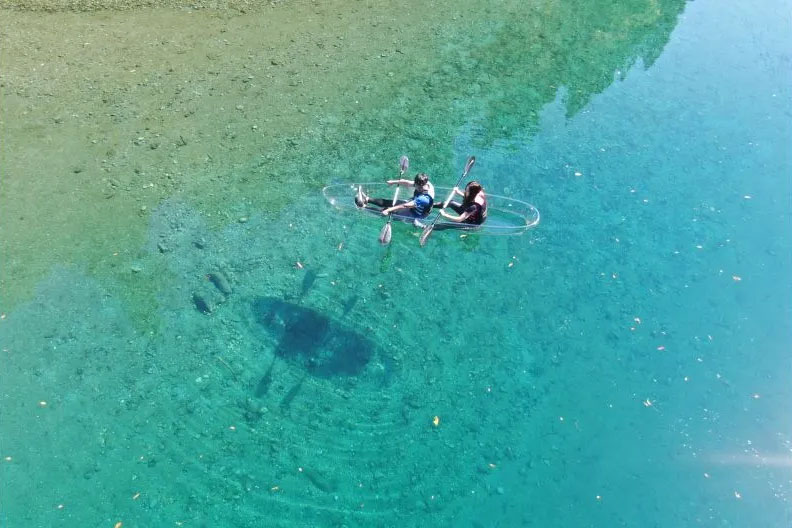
(193, 336)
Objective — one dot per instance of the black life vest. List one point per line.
(480, 201)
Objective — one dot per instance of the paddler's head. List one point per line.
(471, 190)
(421, 181)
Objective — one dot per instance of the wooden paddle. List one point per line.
(428, 229)
(385, 234)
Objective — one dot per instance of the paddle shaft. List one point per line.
(385, 234)
(395, 197)
(468, 166)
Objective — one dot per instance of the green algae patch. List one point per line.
(238, 113)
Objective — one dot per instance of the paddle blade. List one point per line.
(404, 163)
(385, 234)
(425, 235)
(469, 164)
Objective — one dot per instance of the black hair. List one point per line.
(421, 179)
(471, 191)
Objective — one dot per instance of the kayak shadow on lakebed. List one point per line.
(322, 346)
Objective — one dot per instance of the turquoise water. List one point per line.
(623, 364)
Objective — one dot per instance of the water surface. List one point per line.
(623, 364)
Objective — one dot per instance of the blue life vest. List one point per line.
(423, 203)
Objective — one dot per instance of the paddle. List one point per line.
(428, 229)
(385, 234)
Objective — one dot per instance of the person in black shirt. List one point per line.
(472, 210)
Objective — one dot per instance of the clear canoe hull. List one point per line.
(505, 216)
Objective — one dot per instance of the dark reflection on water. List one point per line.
(579, 45)
(321, 345)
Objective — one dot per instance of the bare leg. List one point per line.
(457, 207)
(381, 202)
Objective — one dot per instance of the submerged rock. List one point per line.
(220, 282)
(202, 303)
(319, 480)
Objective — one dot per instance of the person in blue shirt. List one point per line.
(418, 207)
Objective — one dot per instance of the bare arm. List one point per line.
(405, 205)
(400, 181)
(455, 218)
(453, 192)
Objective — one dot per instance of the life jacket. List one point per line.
(424, 206)
(480, 201)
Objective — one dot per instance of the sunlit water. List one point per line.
(625, 363)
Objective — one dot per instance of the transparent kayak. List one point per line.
(505, 216)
